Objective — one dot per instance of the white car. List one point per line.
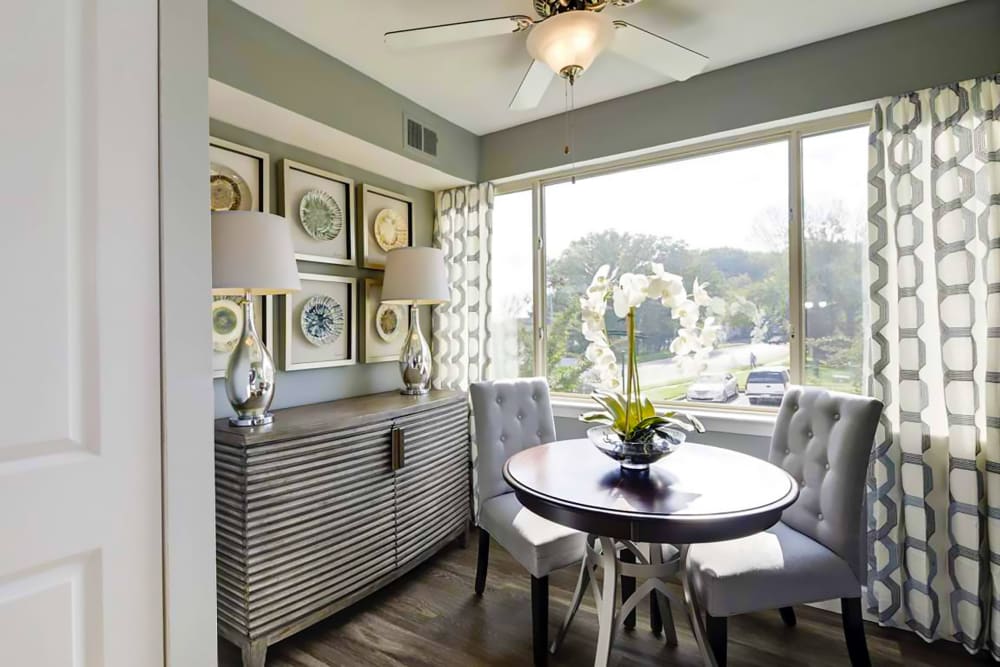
(715, 387)
(767, 385)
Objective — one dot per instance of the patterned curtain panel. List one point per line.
(934, 360)
(462, 341)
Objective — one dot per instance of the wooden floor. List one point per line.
(431, 617)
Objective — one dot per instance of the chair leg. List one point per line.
(788, 616)
(540, 619)
(483, 561)
(628, 587)
(655, 622)
(854, 632)
(715, 627)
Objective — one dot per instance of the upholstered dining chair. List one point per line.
(816, 552)
(509, 416)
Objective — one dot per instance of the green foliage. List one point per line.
(638, 421)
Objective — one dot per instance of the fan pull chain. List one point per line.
(569, 102)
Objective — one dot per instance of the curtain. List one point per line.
(934, 360)
(462, 329)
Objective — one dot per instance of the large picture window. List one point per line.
(771, 227)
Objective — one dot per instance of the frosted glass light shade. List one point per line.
(570, 40)
(415, 276)
(252, 252)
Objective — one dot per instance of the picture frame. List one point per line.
(253, 167)
(378, 343)
(299, 352)
(372, 202)
(331, 206)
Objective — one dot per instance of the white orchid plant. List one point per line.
(631, 415)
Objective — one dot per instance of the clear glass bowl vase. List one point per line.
(635, 457)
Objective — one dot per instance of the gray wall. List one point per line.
(567, 427)
(950, 44)
(259, 58)
(327, 384)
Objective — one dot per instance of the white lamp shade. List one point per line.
(252, 252)
(570, 39)
(415, 276)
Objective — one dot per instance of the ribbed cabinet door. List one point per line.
(432, 487)
(318, 523)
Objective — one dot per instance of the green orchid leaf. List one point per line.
(597, 417)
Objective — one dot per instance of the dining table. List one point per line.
(698, 493)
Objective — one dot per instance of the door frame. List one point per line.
(189, 614)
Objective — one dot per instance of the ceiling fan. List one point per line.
(564, 40)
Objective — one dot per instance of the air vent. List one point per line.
(420, 138)
(430, 142)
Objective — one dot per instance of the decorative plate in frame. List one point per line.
(320, 206)
(227, 323)
(229, 192)
(322, 320)
(319, 324)
(385, 222)
(321, 215)
(389, 322)
(391, 230)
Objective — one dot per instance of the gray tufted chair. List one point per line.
(512, 415)
(823, 439)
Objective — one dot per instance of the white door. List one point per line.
(80, 526)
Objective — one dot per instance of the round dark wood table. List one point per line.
(697, 494)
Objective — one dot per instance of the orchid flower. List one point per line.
(629, 293)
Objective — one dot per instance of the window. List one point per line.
(835, 201)
(734, 242)
(723, 215)
(513, 351)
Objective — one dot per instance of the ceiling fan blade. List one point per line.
(533, 86)
(678, 62)
(457, 32)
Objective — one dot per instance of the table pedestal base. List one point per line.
(602, 553)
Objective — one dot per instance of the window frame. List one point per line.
(794, 133)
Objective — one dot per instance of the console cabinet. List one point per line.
(331, 502)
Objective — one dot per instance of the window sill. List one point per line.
(759, 424)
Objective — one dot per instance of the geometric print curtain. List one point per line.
(462, 329)
(934, 361)
(463, 229)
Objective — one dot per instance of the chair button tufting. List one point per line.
(520, 416)
(809, 434)
(836, 416)
(503, 438)
(827, 466)
(499, 400)
(819, 516)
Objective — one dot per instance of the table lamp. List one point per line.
(415, 277)
(251, 255)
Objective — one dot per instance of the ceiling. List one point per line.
(471, 83)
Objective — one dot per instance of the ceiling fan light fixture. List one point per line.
(569, 42)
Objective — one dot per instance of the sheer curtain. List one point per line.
(934, 360)
(462, 338)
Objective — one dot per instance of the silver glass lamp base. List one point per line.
(415, 359)
(250, 375)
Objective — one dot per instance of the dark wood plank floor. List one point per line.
(432, 618)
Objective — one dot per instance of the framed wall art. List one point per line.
(385, 222)
(385, 325)
(319, 323)
(319, 205)
(239, 180)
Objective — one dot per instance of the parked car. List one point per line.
(767, 385)
(715, 387)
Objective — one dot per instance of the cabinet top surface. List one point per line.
(319, 418)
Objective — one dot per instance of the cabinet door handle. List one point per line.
(398, 448)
